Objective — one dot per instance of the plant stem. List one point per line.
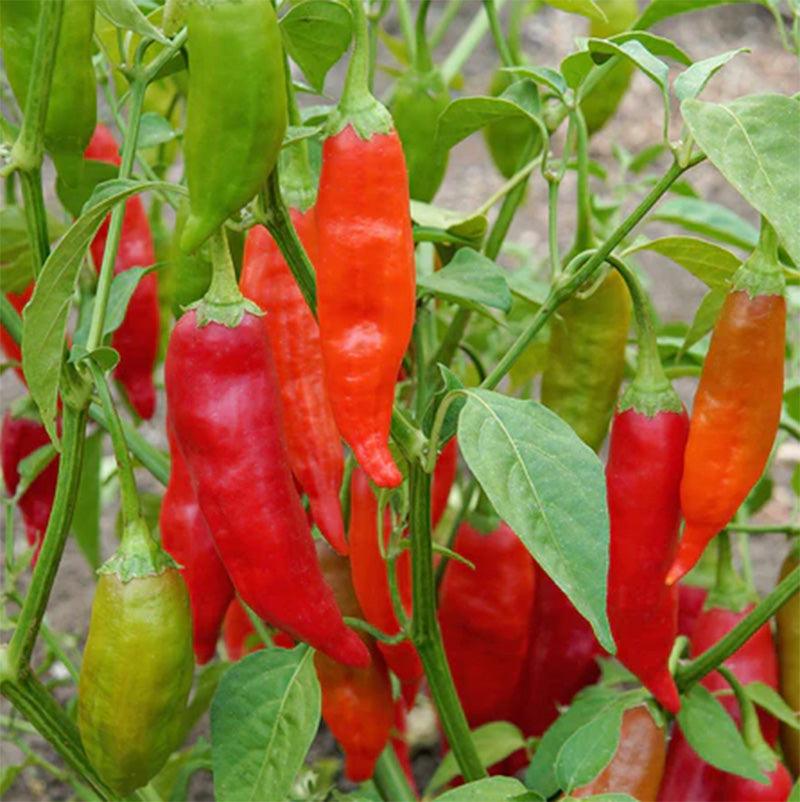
(695, 670)
(466, 44)
(426, 635)
(422, 54)
(448, 15)
(583, 234)
(10, 319)
(404, 18)
(390, 778)
(790, 426)
(762, 529)
(553, 187)
(35, 217)
(497, 34)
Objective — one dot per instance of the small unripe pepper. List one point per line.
(366, 273)
(236, 116)
(788, 619)
(137, 338)
(185, 535)
(483, 614)
(224, 405)
(737, 406)
(137, 665)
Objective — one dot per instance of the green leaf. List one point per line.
(468, 226)
(490, 789)
(541, 75)
(709, 219)
(86, 519)
(493, 742)
(122, 288)
(769, 699)
(586, 8)
(154, 130)
(753, 142)
(9, 774)
(549, 487)
(73, 195)
(635, 51)
(713, 265)
(31, 466)
(125, 14)
(704, 318)
(16, 261)
(661, 9)
(316, 34)
(657, 45)
(589, 749)
(589, 704)
(711, 732)
(46, 315)
(468, 279)
(449, 382)
(264, 717)
(691, 82)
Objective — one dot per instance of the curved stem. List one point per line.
(707, 662)
(422, 53)
(223, 289)
(519, 176)
(356, 82)
(497, 34)
(390, 778)
(426, 635)
(404, 18)
(466, 44)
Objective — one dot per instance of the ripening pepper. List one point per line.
(371, 583)
(586, 359)
(137, 338)
(599, 106)
(366, 273)
(224, 404)
(72, 105)
(137, 665)
(643, 478)
(185, 535)
(312, 439)
(560, 661)
(638, 764)
(10, 347)
(357, 703)
(737, 405)
(788, 619)
(21, 436)
(236, 116)
(483, 614)
(691, 599)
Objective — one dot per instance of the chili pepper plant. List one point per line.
(371, 458)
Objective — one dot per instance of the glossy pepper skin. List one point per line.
(185, 535)
(690, 604)
(736, 408)
(236, 116)
(224, 405)
(638, 764)
(137, 338)
(357, 703)
(369, 576)
(586, 358)
(643, 480)
(135, 676)
(72, 107)
(788, 620)
(560, 661)
(738, 789)
(20, 437)
(312, 439)
(240, 637)
(366, 286)
(483, 615)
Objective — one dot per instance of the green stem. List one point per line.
(35, 217)
(69, 472)
(730, 590)
(707, 662)
(422, 53)
(466, 44)
(426, 634)
(512, 183)
(553, 187)
(407, 28)
(561, 291)
(390, 778)
(118, 213)
(497, 34)
(10, 319)
(763, 529)
(448, 15)
(583, 234)
(790, 426)
(131, 507)
(223, 289)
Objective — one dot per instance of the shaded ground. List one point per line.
(471, 179)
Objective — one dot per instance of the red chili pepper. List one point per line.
(691, 599)
(10, 348)
(738, 789)
(137, 338)
(400, 741)
(483, 615)
(225, 408)
(560, 660)
(239, 634)
(312, 439)
(372, 585)
(185, 535)
(357, 703)
(20, 437)
(737, 406)
(444, 475)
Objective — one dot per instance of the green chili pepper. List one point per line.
(599, 106)
(237, 109)
(137, 665)
(72, 106)
(586, 359)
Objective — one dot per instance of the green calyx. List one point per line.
(138, 555)
(650, 397)
(358, 107)
(730, 591)
(761, 273)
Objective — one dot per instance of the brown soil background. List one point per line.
(547, 37)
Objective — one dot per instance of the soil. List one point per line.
(547, 37)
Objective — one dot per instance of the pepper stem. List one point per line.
(761, 273)
(650, 391)
(730, 591)
(422, 53)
